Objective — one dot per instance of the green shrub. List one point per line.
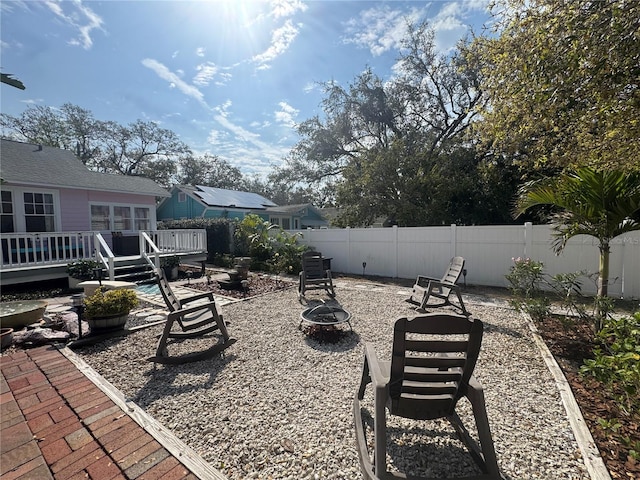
(616, 361)
(269, 246)
(82, 269)
(111, 302)
(525, 278)
(170, 262)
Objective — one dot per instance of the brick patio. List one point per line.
(57, 424)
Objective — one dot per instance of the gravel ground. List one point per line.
(279, 404)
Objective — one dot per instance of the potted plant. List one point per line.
(109, 308)
(81, 270)
(170, 266)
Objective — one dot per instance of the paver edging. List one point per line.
(182, 452)
(590, 453)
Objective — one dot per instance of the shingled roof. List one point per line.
(32, 164)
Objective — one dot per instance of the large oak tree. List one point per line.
(398, 149)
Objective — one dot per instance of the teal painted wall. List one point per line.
(175, 210)
(311, 215)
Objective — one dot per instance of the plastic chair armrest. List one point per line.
(198, 296)
(196, 308)
(378, 377)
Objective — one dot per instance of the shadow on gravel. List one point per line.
(162, 382)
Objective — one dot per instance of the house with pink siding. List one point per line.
(54, 210)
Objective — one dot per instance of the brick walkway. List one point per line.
(57, 424)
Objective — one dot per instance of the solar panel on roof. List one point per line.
(221, 197)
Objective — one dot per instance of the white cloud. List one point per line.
(32, 101)
(175, 81)
(82, 18)
(281, 39)
(482, 5)
(206, 72)
(286, 8)
(310, 87)
(286, 115)
(223, 109)
(224, 78)
(216, 136)
(200, 51)
(380, 29)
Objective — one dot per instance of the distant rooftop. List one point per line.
(220, 197)
(33, 164)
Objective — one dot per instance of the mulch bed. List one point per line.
(570, 344)
(258, 284)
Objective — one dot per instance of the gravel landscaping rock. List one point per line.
(278, 405)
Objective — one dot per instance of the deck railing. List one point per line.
(45, 248)
(27, 250)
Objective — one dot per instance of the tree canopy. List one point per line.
(140, 148)
(563, 83)
(211, 171)
(399, 149)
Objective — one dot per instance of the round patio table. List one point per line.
(325, 315)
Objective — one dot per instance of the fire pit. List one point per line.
(325, 315)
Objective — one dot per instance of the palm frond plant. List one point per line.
(597, 203)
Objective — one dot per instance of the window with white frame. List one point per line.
(120, 218)
(284, 222)
(100, 219)
(182, 197)
(142, 218)
(7, 222)
(39, 213)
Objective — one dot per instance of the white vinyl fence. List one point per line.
(405, 252)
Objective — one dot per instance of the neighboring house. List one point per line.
(210, 202)
(297, 217)
(46, 189)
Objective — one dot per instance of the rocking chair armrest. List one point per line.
(440, 284)
(474, 390)
(197, 296)
(196, 308)
(421, 280)
(379, 378)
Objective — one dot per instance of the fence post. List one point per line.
(528, 240)
(348, 229)
(453, 247)
(394, 273)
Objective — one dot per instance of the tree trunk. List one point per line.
(603, 277)
(603, 284)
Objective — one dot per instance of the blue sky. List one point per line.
(231, 78)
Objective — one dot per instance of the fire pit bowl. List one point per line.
(325, 315)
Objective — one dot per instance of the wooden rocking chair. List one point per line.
(425, 379)
(196, 316)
